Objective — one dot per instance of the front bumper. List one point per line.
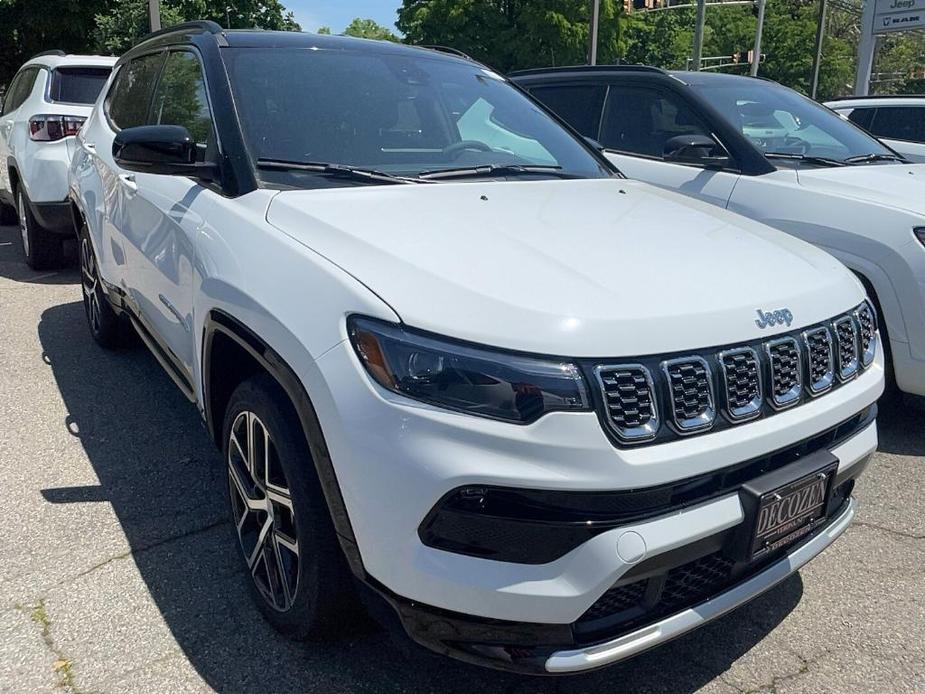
(395, 459)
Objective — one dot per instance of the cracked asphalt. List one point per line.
(118, 572)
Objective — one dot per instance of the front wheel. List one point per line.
(43, 250)
(294, 562)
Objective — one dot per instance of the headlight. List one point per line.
(462, 377)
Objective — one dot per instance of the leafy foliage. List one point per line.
(513, 34)
(368, 29)
(28, 27)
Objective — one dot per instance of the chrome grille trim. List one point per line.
(738, 385)
(846, 338)
(629, 397)
(690, 390)
(866, 318)
(785, 382)
(820, 360)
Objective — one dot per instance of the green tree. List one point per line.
(513, 34)
(368, 29)
(28, 27)
(123, 22)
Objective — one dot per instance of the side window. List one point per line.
(130, 96)
(9, 99)
(639, 120)
(862, 117)
(20, 89)
(900, 123)
(578, 105)
(180, 98)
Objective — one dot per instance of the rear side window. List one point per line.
(181, 99)
(20, 89)
(580, 106)
(77, 85)
(862, 117)
(899, 123)
(130, 96)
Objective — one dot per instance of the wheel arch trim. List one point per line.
(218, 322)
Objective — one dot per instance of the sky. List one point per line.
(337, 14)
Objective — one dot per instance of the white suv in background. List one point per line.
(44, 106)
(767, 152)
(899, 121)
(552, 417)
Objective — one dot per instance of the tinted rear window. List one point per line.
(78, 85)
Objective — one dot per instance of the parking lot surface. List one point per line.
(119, 572)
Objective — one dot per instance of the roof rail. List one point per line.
(203, 25)
(53, 51)
(452, 51)
(588, 68)
(877, 96)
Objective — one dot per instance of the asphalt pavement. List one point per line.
(118, 571)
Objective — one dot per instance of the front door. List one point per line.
(162, 215)
(638, 121)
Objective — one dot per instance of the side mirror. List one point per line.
(160, 149)
(695, 149)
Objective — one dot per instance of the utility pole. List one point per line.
(154, 12)
(817, 58)
(866, 49)
(759, 30)
(595, 22)
(698, 33)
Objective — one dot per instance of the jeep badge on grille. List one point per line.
(767, 319)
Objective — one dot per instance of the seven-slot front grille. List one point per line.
(743, 382)
(786, 382)
(742, 379)
(691, 386)
(629, 397)
(820, 368)
(846, 335)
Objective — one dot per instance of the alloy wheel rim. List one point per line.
(263, 513)
(23, 223)
(90, 284)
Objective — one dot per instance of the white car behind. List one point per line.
(44, 106)
(769, 153)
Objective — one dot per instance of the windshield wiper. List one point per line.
(823, 161)
(334, 170)
(864, 158)
(495, 170)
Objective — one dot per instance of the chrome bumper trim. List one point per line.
(671, 627)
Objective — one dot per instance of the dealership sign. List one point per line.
(898, 15)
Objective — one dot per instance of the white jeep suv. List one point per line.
(456, 362)
(44, 106)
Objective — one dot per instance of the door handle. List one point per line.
(128, 181)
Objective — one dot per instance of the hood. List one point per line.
(578, 268)
(900, 186)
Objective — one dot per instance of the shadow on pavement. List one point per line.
(166, 483)
(901, 424)
(13, 264)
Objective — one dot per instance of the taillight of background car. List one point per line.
(52, 127)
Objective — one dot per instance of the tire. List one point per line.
(105, 325)
(298, 574)
(42, 249)
(8, 215)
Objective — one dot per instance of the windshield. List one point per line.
(779, 120)
(78, 85)
(393, 113)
